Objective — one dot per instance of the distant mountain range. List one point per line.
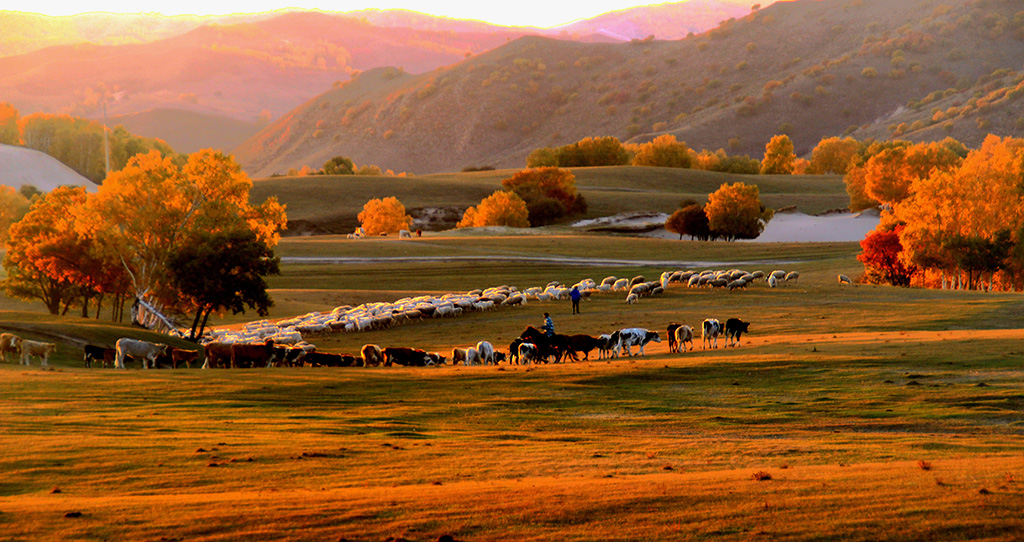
(810, 69)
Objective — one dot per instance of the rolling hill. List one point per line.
(329, 204)
(250, 66)
(188, 131)
(810, 69)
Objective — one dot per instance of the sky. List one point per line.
(540, 13)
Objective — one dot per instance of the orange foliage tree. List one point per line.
(502, 208)
(663, 151)
(9, 133)
(881, 258)
(735, 212)
(384, 216)
(145, 212)
(834, 156)
(979, 201)
(778, 156)
(47, 259)
(549, 193)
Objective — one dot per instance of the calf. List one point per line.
(513, 350)
(38, 349)
(635, 336)
(372, 355)
(671, 334)
(9, 344)
(100, 354)
(528, 353)
(607, 345)
(146, 351)
(183, 357)
(710, 329)
(734, 328)
(683, 335)
(459, 355)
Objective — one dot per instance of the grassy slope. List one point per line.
(333, 202)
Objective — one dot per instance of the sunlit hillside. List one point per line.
(810, 69)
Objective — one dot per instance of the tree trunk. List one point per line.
(205, 318)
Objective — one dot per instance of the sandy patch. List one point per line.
(20, 166)
(783, 228)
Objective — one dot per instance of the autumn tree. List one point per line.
(735, 211)
(690, 220)
(502, 208)
(723, 162)
(880, 255)
(339, 165)
(384, 216)
(78, 143)
(663, 151)
(549, 192)
(587, 152)
(834, 156)
(13, 206)
(144, 213)
(778, 156)
(856, 188)
(44, 250)
(974, 201)
(9, 133)
(223, 271)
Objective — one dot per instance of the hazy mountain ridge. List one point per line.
(812, 69)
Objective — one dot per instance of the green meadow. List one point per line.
(848, 413)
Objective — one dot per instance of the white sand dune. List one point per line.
(20, 166)
(789, 227)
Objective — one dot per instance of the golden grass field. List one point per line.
(868, 413)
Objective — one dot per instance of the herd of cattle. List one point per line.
(282, 343)
(532, 346)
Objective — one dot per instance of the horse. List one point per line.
(555, 345)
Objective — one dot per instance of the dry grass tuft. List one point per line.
(761, 476)
(924, 465)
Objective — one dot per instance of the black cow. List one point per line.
(734, 328)
(406, 356)
(100, 354)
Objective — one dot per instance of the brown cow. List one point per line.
(372, 355)
(35, 348)
(183, 357)
(252, 355)
(405, 356)
(9, 343)
(100, 354)
(218, 355)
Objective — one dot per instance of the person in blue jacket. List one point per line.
(575, 295)
(549, 326)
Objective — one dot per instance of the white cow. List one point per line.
(710, 329)
(486, 352)
(144, 350)
(528, 353)
(633, 336)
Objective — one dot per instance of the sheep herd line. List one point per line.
(283, 343)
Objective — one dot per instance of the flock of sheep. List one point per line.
(382, 315)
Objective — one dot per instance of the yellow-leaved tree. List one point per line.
(734, 211)
(143, 214)
(384, 216)
(664, 151)
(502, 208)
(778, 156)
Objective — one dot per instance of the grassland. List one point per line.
(333, 202)
(874, 413)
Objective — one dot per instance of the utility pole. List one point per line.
(106, 144)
